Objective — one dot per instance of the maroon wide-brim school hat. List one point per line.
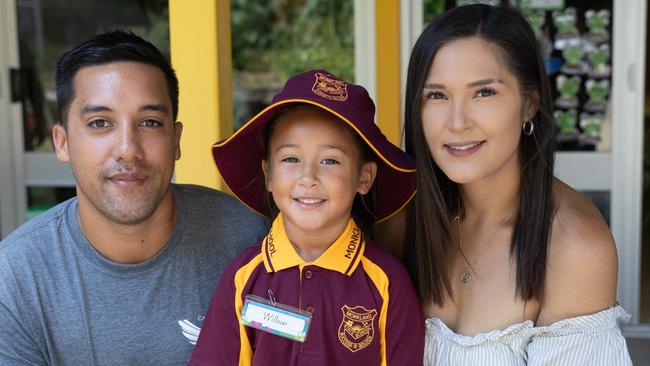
(239, 157)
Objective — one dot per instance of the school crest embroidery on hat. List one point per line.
(330, 88)
(357, 330)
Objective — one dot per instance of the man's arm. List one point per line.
(223, 340)
(17, 346)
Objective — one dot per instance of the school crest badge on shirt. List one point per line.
(357, 327)
(330, 88)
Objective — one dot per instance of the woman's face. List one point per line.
(472, 112)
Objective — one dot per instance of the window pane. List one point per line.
(46, 29)
(273, 40)
(40, 199)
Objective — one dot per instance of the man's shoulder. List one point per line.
(249, 256)
(217, 220)
(198, 190)
(31, 254)
(199, 197)
(38, 230)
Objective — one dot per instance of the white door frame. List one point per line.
(411, 25)
(628, 93)
(365, 42)
(12, 187)
(365, 47)
(19, 169)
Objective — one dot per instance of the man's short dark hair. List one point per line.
(106, 48)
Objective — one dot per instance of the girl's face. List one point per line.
(472, 112)
(314, 170)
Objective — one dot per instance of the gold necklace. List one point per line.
(466, 276)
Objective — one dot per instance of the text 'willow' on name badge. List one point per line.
(272, 317)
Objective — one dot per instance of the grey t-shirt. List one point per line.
(62, 303)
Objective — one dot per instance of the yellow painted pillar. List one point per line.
(387, 13)
(201, 55)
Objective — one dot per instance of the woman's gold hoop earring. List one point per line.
(528, 127)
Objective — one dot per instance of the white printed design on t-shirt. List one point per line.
(190, 331)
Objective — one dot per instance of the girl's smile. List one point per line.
(314, 170)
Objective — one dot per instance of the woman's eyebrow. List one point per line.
(434, 86)
(473, 84)
(483, 82)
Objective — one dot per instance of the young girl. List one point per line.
(513, 266)
(315, 291)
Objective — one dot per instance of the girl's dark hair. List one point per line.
(363, 206)
(430, 224)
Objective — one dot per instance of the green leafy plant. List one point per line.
(591, 124)
(573, 54)
(565, 21)
(599, 57)
(566, 121)
(290, 36)
(597, 90)
(597, 22)
(568, 87)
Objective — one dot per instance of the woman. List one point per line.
(512, 265)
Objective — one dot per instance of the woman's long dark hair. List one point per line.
(429, 225)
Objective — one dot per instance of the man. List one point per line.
(123, 273)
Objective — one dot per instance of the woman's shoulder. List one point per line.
(582, 260)
(577, 223)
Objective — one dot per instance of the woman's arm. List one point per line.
(578, 323)
(582, 264)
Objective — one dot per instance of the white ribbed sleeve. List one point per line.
(593, 339)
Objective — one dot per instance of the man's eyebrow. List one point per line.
(154, 107)
(92, 108)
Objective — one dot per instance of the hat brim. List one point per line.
(239, 159)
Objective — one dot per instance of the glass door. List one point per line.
(41, 32)
(11, 171)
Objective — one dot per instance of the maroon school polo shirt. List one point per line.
(364, 310)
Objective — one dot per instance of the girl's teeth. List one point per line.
(309, 200)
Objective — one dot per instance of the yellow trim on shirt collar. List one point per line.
(342, 256)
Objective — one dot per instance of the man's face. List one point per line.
(120, 140)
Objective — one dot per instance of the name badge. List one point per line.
(272, 317)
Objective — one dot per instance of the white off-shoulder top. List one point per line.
(592, 340)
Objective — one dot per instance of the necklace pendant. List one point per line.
(466, 276)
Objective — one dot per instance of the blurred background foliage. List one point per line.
(290, 36)
(49, 28)
(273, 40)
(431, 8)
